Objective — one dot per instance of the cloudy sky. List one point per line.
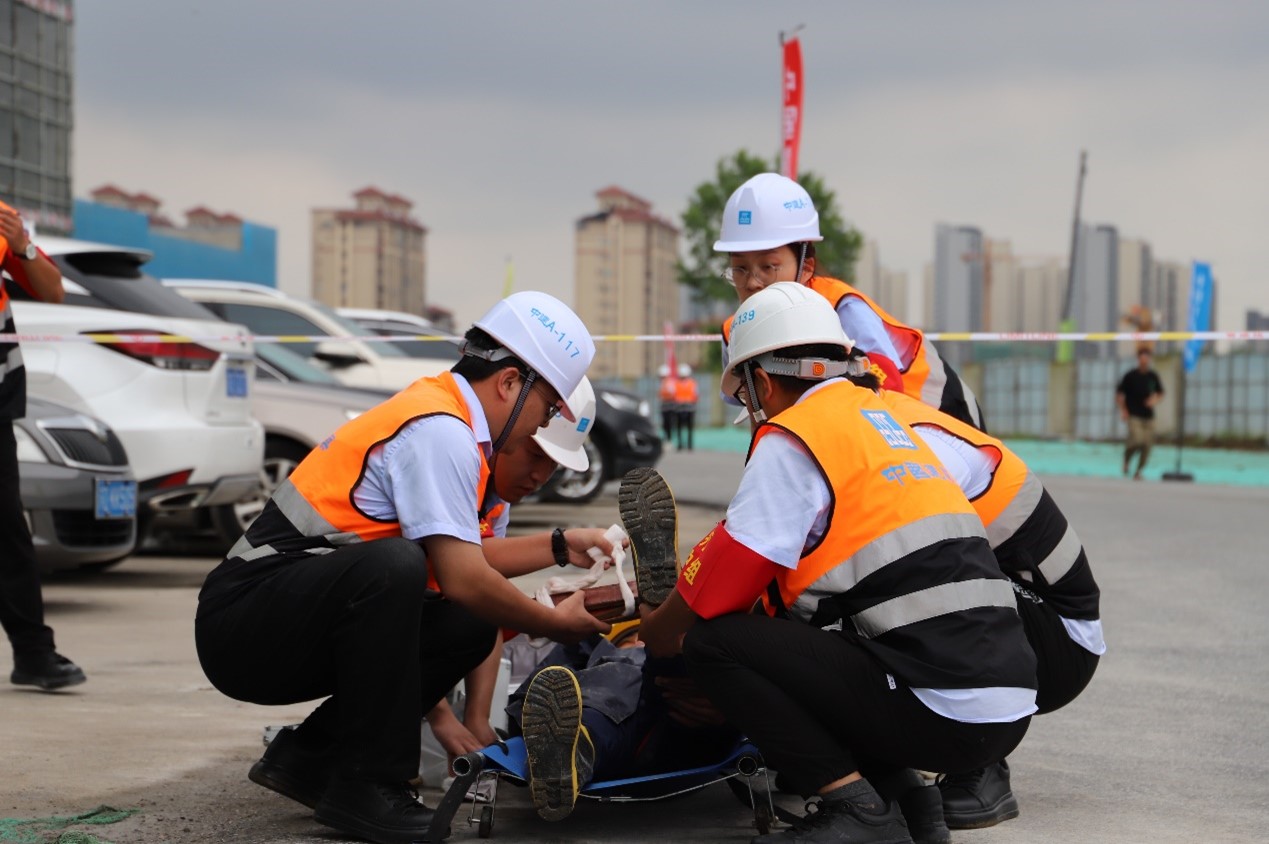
(500, 120)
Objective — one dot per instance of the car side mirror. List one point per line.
(337, 354)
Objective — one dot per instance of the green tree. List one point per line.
(701, 272)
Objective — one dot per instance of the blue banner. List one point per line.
(1200, 312)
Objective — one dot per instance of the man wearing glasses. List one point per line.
(364, 577)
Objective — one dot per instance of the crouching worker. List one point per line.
(890, 639)
(364, 580)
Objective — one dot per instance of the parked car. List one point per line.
(181, 409)
(402, 324)
(78, 492)
(623, 438)
(299, 405)
(270, 312)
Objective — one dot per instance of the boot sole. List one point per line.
(1003, 809)
(552, 723)
(359, 827)
(646, 505)
(23, 679)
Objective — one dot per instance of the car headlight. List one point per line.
(29, 450)
(625, 403)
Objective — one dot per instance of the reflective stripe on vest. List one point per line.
(313, 511)
(958, 596)
(12, 362)
(1062, 558)
(885, 549)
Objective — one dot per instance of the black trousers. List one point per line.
(820, 707)
(1063, 668)
(356, 625)
(21, 603)
(686, 425)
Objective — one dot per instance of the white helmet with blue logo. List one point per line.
(766, 212)
(565, 441)
(544, 333)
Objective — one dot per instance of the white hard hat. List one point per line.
(765, 212)
(777, 317)
(684, 370)
(562, 440)
(663, 370)
(544, 333)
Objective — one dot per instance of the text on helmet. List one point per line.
(561, 337)
(744, 316)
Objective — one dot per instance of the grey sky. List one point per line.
(501, 119)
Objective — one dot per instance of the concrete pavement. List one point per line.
(1170, 743)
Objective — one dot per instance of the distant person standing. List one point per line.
(686, 394)
(1139, 391)
(669, 411)
(36, 661)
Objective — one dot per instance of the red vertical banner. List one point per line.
(670, 360)
(791, 115)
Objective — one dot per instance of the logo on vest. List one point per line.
(891, 431)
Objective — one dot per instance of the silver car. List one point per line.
(77, 489)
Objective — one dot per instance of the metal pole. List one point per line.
(1178, 475)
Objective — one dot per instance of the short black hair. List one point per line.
(477, 368)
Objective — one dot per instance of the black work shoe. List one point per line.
(922, 808)
(387, 813)
(842, 822)
(649, 516)
(293, 770)
(978, 798)
(48, 671)
(561, 755)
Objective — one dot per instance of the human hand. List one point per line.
(581, 540)
(687, 705)
(453, 736)
(573, 623)
(12, 230)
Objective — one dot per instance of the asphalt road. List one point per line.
(1170, 742)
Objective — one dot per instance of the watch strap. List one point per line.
(559, 547)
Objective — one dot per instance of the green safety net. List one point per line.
(54, 829)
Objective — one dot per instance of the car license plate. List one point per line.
(236, 382)
(116, 499)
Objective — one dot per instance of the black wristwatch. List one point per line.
(559, 547)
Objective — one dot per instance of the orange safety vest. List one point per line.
(904, 564)
(1033, 541)
(685, 391)
(669, 387)
(924, 375)
(313, 509)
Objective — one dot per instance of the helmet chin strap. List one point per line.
(757, 413)
(801, 264)
(515, 412)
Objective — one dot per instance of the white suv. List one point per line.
(181, 409)
(270, 312)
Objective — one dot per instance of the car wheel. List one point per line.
(578, 487)
(280, 459)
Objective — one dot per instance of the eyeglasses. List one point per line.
(555, 407)
(742, 275)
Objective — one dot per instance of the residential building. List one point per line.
(210, 244)
(1042, 287)
(958, 285)
(888, 288)
(1095, 295)
(371, 255)
(626, 283)
(36, 73)
(1135, 272)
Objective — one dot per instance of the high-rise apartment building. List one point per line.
(1095, 296)
(371, 255)
(1136, 268)
(35, 110)
(888, 288)
(1042, 287)
(626, 281)
(958, 285)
